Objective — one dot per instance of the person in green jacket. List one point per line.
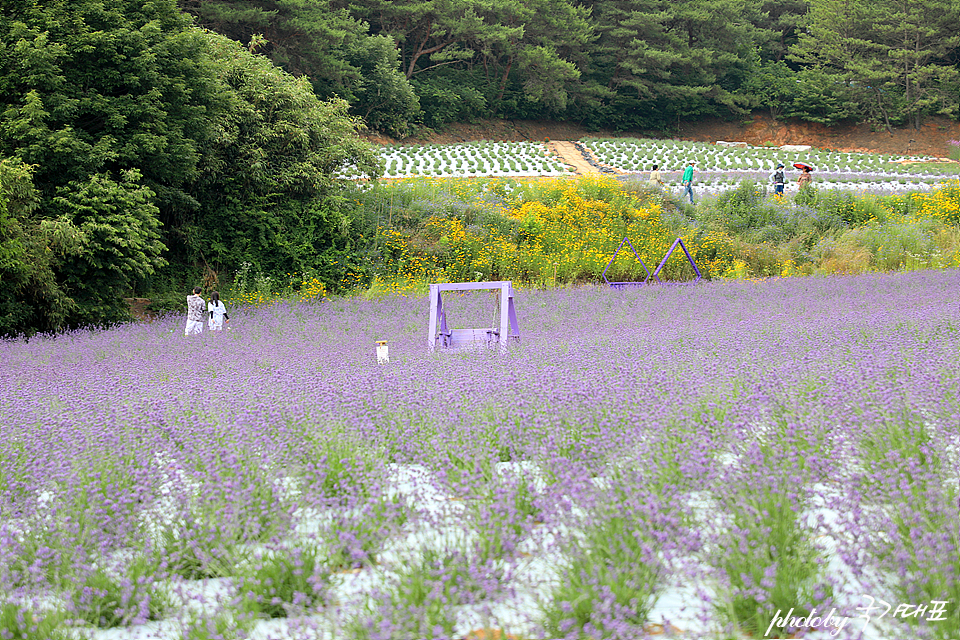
(687, 180)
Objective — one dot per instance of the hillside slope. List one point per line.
(931, 139)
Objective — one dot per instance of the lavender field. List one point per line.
(693, 462)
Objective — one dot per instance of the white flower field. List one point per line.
(718, 167)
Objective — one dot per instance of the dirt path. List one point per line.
(571, 156)
(138, 308)
(574, 157)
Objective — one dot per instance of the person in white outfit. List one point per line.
(195, 307)
(218, 312)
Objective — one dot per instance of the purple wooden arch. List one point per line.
(508, 331)
(624, 285)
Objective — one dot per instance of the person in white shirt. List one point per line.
(218, 312)
(194, 313)
(656, 179)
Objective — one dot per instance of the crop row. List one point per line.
(717, 166)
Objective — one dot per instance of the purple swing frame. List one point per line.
(438, 332)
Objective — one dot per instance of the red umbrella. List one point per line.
(802, 165)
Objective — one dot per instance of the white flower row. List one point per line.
(472, 159)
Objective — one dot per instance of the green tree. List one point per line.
(121, 243)
(505, 55)
(325, 43)
(807, 94)
(304, 37)
(432, 33)
(892, 56)
(544, 62)
(663, 61)
(268, 190)
(31, 298)
(89, 87)
(96, 95)
(382, 96)
(782, 19)
(144, 131)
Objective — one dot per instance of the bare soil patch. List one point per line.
(931, 139)
(138, 309)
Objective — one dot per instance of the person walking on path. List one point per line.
(778, 181)
(805, 178)
(218, 312)
(656, 180)
(196, 308)
(687, 180)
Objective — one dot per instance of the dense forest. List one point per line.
(143, 142)
(627, 64)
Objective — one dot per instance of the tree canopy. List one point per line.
(890, 56)
(127, 131)
(610, 63)
(266, 190)
(31, 299)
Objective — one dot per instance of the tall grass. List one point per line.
(558, 231)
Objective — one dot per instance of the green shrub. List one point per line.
(172, 302)
(194, 555)
(444, 100)
(437, 577)
(346, 464)
(41, 555)
(891, 246)
(744, 208)
(900, 445)
(768, 560)
(853, 210)
(923, 550)
(809, 195)
(420, 601)
(355, 539)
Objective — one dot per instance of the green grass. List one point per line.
(611, 579)
(769, 563)
(18, 623)
(287, 580)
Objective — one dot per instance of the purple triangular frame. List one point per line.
(624, 285)
(656, 274)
